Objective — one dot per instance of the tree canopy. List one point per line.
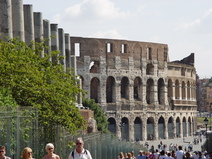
(37, 82)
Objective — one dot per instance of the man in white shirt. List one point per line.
(80, 152)
(179, 154)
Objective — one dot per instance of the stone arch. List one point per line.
(94, 67)
(184, 127)
(137, 129)
(150, 91)
(150, 69)
(125, 87)
(183, 90)
(110, 90)
(188, 90)
(170, 128)
(161, 128)
(125, 128)
(94, 45)
(95, 89)
(112, 125)
(138, 88)
(170, 89)
(178, 127)
(150, 128)
(161, 91)
(177, 89)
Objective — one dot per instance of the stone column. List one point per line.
(28, 24)
(186, 95)
(181, 128)
(156, 129)
(131, 129)
(173, 91)
(5, 19)
(155, 93)
(180, 91)
(187, 124)
(54, 41)
(87, 78)
(38, 26)
(67, 51)
(166, 135)
(174, 128)
(18, 19)
(62, 47)
(47, 37)
(144, 128)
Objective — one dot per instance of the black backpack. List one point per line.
(72, 153)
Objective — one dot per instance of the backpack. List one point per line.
(72, 153)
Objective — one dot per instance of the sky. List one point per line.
(185, 25)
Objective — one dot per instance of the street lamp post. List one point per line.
(206, 124)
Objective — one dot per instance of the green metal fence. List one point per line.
(19, 128)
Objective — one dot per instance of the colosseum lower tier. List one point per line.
(144, 95)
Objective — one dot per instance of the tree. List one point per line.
(39, 83)
(99, 115)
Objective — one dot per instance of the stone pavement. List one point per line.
(178, 141)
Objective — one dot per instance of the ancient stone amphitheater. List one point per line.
(144, 95)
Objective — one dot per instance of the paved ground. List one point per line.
(178, 141)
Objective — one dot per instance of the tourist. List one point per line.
(162, 155)
(179, 154)
(121, 156)
(156, 154)
(133, 156)
(141, 155)
(79, 151)
(3, 152)
(50, 152)
(169, 156)
(26, 153)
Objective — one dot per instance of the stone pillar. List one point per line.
(166, 130)
(166, 102)
(62, 47)
(67, 51)
(181, 128)
(117, 62)
(18, 19)
(173, 91)
(174, 128)
(47, 37)
(28, 24)
(131, 129)
(5, 19)
(156, 129)
(155, 93)
(180, 91)
(144, 129)
(186, 95)
(54, 41)
(187, 124)
(38, 26)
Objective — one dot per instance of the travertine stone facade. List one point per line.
(144, 95)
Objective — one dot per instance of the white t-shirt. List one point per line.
(179, 154)
(85, 154)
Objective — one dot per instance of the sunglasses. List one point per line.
(29, 153)
(1, 151)
(50, 148)
(78, 143)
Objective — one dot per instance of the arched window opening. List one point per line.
(161, 91)
(150, 128)
(177, 90)
(125, 88)
(95, 89)
(112, 125)
(110, 90)
(150, 91)
(150, 69)
(94, 67)
(137, 89)
(183, 90)
(137, 129)
(161, 127)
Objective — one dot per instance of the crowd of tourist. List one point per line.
(173, 151)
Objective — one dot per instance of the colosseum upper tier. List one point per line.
(144, 95)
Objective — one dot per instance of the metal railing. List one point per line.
(18, 129)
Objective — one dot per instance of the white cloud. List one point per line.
(112, 34)
(91, 10)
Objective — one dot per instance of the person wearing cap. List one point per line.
(141, 155)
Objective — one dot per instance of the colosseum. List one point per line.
(144, 95)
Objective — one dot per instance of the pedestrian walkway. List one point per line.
(178, 141)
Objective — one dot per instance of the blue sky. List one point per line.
(185, 25)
